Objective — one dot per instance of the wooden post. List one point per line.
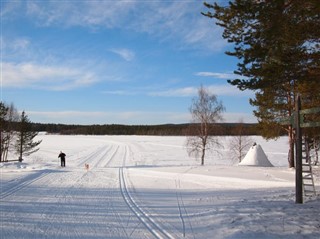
(299, 192)
(0, 143)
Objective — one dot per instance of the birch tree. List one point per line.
(206, 111)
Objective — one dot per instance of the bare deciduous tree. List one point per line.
(240, 143)
(206, 111)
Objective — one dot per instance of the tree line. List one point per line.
(158, 130)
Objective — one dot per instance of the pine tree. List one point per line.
(25, 136)
(8, 118)
(277, 44)
(3, 112)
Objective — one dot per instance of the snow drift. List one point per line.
(256, 157)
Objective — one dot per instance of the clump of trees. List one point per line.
(277, 44)
(206, 112)
(16, 133)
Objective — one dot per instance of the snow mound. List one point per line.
(256, 157)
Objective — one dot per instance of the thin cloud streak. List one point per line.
(219, 90)
(181, 92)
(120, 92)
(217, 75)
(124, 53)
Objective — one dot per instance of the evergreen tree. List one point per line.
(8, 118)
(277, 44)
(25, 136)
(3, 113)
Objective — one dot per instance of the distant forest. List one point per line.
(164, 129)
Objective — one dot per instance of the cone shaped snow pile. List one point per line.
(256, 157)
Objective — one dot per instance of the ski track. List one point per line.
(93, 156)
(112, 157)
(145, 219)
(113, 199)
(155, 229)
(62, 200)
(22, 183)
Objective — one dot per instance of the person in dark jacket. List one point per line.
(62, 156)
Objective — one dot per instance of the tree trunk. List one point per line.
(0, 146)
(291, 148)
(21, 144)
(204, 145)
(202, 156)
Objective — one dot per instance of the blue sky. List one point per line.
(114, 62)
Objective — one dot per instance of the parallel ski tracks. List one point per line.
(102, 157)
(89, 158)
(98, 158)
(22, 184)
(111, 159)
(145, 219)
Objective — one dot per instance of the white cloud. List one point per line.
(219, 90)
(21, 43)
(14, 46)
(237, 117)
(226, 90)
(124, 53)
(120, 92)
(216, 75)
(126, 117)
(180, 92)
(101, 117)
(180, 21)
(90, 14)
(44, 77)
(9, 8)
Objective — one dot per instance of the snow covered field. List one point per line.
(148, 187)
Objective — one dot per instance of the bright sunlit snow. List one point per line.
(148, 187)
(256, 157)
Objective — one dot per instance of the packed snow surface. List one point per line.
(256, 157)
(148, 187)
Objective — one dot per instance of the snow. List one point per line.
(148, 187)
(256, 157)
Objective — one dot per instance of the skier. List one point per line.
(62, 156)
